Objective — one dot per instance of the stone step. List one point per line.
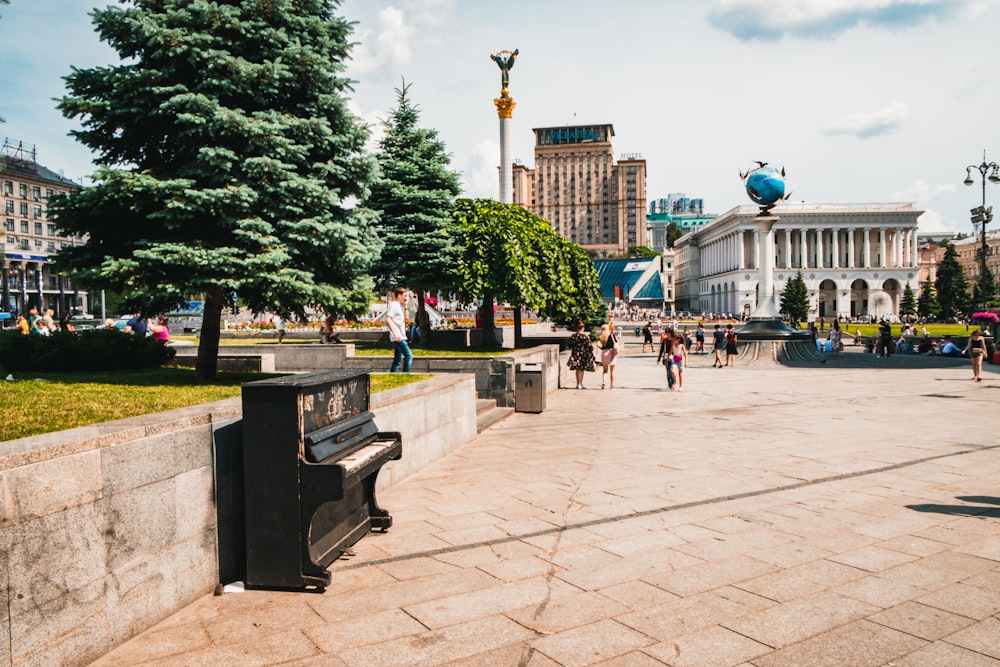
(490, 416)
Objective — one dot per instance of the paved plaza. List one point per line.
(844, 513)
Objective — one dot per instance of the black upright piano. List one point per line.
(311, 454)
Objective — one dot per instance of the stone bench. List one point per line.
(235, 363)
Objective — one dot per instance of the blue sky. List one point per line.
(859, 100)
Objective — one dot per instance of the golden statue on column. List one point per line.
(505, 61)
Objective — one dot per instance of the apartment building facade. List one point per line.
(587, 196)
(29, 277)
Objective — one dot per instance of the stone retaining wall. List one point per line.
(106, 530)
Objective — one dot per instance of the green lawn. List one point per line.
(45, 402)
(361, 348)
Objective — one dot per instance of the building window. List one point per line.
(48, 193)
(51, 230)
(24, 226)
(11, 240)
(25, 244)
(24, 208)
(8, 188)
(38, 228)
(9, 224)
(52, 246)
(36, 193)
(9, 206)
(23, 190)
(38, 244)
(36, 210)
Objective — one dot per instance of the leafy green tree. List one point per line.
(984, 289)
(908, 304)
(415, 195)
(642, 251)
(795, 299)
(225, 153)
(951, 286)
(514, 256)
(927, 304)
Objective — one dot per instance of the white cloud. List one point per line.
(480, 175)
(920, 190)
(383, 53)
(932, 222)
(770, 20)
(870, 124)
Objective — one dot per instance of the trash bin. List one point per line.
(529, 387)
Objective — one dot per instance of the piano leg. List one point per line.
(380, 518)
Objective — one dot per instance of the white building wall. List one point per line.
(855, 258)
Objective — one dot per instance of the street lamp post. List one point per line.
(983, 214)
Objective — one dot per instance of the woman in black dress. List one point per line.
(581, 357)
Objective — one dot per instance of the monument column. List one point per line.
(505, 110)
(866, 249)
(741, 249)
(835, 249)
(803, 257)
(850, 248)
(883, 260)
(788, 248)
(820, 259)
(765, 263)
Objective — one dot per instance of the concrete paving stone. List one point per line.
(688, 615)
(631, 659)
(627, 545)
(712, 647)
(915, 546)
(858, 644)
(448, 610)
(707, 576)
(461, 521)
(525, 526)
(958, 532)
(591, 643)
(486, 555)
(520, 568)
(839, 540)
(513, 654)
(879, 591)
(638, 595)
(921, 620)
(788, 553)
(158, 643)
(399, 594)
(478, 535)
(983, 637)
(435, 647)
(249, 624)
(724, 546)
(563, 539)
(643, 565)
(872, 558)
(362, 629)
(801, 580)
(800, 619)
(894, 526)
(988, 547)
(268, 649)
(567, 611)
(413, 568)
(960, 562)
(943, 654)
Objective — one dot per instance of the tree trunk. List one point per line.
(208, 346)
(489, 329)
(517, 327)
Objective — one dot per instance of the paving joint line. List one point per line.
(972, 449)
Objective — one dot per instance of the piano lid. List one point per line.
(341, 436)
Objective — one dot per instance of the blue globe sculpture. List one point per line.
(765, 186)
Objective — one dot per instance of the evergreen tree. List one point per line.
(795, 299)
(415, 195)
(674, 232)
(927, 304)
(225, 152)
(951, 286)
(908, 304)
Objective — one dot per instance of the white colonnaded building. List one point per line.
(856, 259)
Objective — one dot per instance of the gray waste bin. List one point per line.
(529, 388)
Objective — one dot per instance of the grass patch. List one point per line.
(45, 402)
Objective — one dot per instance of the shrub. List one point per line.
(90, 350)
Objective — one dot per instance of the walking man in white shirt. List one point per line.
(395, 319)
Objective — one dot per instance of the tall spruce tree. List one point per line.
(795, 299)
(951, 286)
(984, 289)
(927, 304)
(908, 303)
(225, 152)
(415, 194)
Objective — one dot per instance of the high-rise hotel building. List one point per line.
(586, 196)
